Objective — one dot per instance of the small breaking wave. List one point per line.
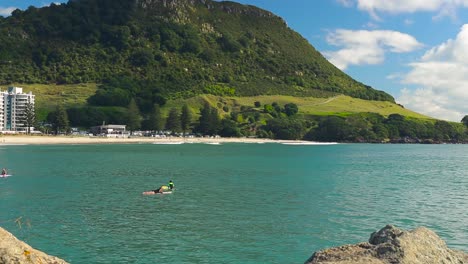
(169, 143)
(308, 143)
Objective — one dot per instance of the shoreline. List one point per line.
(78, 140)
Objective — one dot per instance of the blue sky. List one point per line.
(415, 50)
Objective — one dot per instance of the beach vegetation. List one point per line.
(173, 122)
(465, 120)
(185, 118)
(133, 120)
(59, 120)
(155, 121)
(29, 117)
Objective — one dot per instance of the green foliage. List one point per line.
(59, 120)
(220, 90)
(209, 121)
(173, 122)
(93, 116)
(155, 121)
(330, 129)
(290, 109)
(286, 128)
(29, 117)
(141, 58)
(465, 120)
(228, 43)
(375, 128)
(133, 116)
(119, 90)
(229, 128)
(185, 118)
(111, 97)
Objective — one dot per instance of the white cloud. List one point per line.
(408, 22)
(371, 25)
(6, 11)
(360, 47)
(347, 3)
(442, 7)
(426, 102)
(441, 76)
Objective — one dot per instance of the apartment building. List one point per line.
(12, 109)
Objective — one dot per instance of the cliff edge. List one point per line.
(14, 251)
(391, 245)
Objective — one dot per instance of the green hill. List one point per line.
(170, 48)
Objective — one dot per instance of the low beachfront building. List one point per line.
(13, 105)
(110, 130)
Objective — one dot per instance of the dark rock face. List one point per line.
(14, 251)
(391, 245)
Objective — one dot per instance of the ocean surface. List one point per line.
(234, 203)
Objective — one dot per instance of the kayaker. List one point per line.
(171, 185)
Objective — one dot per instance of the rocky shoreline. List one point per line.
(15, 251)
(391, 245)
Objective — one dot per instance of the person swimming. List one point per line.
(161, 190)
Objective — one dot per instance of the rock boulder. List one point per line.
(391, 245)
(14, 251)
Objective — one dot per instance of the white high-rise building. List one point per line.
(12, 109)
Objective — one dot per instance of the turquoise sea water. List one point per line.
(234, 203)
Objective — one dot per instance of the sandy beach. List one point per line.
(52, 140)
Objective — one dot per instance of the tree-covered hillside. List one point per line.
(154, 50)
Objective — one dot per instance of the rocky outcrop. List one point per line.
(391, 245)
(182, 8)
(14, 251)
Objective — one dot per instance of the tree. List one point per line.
(204, 120)
(59, 119)
(229, 128)
(209, 122)
(185, 118)
(332, 128)
(173, 121)
(133, 116)
(155, 121)
(215, 121)
(286, 128)
(29, 117)
(465, 120)
(290, 109)
(277, 107)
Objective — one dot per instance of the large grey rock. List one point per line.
(14, 251)
(391, 245)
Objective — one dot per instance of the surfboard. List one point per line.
(4, 176)
(152, 193)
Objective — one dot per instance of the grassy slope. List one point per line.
(48, 96)
(339, 105)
